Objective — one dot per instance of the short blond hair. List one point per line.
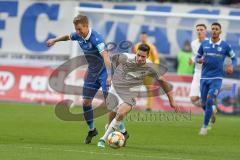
(80, 19)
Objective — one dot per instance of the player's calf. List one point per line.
(196, 101)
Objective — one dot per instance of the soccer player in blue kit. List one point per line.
(99, 66)
(211, 55)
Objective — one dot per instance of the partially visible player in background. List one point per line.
(99, 66)
(153, 57)
(130, 73)
(201, 30)
(211, 55)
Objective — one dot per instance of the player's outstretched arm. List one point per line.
(232, 55)
(52, 41)
(199, 57)
(192, 59)
(107, 62)
(229, 68)
(168, 90)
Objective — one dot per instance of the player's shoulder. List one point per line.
(224, 43)
(205, 42)
(75, 36)
(95, 33)
(95, 36)
(126, 58)
(128, 55)
(195, 41)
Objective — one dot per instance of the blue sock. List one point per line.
(122, 127)
(204, 108)
(208, 112)
(88, 115)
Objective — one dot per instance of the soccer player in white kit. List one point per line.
(195, 44)
(129, 73)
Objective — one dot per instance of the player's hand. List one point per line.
(175, 106)
(201, 61)
(190, 61)
(109, 80)
(50, 42)
(229, 69)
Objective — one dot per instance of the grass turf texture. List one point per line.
(33, 132)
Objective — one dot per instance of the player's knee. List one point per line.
(87, 102)
(208, 110)
(120, 116)
(209, 101)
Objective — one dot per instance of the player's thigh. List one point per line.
(117, 97)
(113, 100)
(195, 86)
(90, 89)
(124, 108)
(214, 88)
(111, 116)
(204, 90)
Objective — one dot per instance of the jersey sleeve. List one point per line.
(232, 55)
(200, 53)
(123, 58)
(157, 70)
(193, 51)
(73, 36)
(98, 42)
(230, 52)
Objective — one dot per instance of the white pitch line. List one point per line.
(104, 153)
(117, 154)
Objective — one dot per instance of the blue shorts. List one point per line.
(209, 87)
(92, 83)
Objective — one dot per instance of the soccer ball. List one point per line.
(116, 139)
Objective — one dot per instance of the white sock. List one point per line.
(112, 126)
(106, 127)
(214, 107)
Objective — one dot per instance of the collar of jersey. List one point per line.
(88, 35)
(218, 42)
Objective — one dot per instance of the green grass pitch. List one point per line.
(30, 132)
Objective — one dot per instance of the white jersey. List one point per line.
(127, 75)
(195, 86)
(195, 46)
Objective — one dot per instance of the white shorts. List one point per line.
(195, 86)
(114, 100)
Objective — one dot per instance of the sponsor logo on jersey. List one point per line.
(219, 49)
